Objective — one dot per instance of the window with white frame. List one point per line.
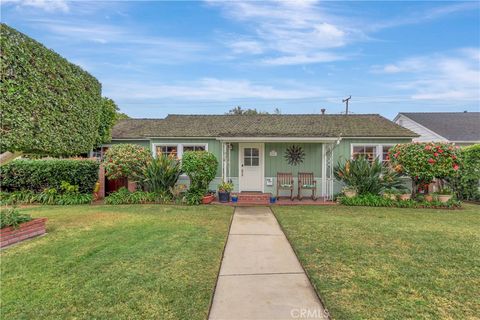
(196, 147)
(177, 150)
(371, 152)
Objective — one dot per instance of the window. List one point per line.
(368, 152)
(167, 150)
(98, 153)
(193, 148)
(371, 152)
(251, 157)
(177, 150)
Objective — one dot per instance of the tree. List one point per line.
(424, 162)
(47, 105)
(240, 111)
(121, 115)
(108, 117)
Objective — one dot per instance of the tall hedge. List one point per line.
(47, 105)
(36, 175)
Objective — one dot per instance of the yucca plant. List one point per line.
(161, 174)
(367, 177)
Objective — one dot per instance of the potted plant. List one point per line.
(405, 196)
(234, 198)
(224, 190)
(208, 198)
(444, 194)
(349, 191)
(428, 197)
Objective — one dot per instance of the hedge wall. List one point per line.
(36, 175)
(47, 105)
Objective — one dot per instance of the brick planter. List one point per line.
(26, 230)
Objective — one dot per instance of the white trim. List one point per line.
(262, 166)
(129, 139)
(324, 170)
(275, 139)
(210, 138)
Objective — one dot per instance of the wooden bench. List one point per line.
(285, 182)
(306, 181)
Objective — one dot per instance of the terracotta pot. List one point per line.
(444, 197)
(406, 196)
(428, 197)
(208, 199)
(350, 193)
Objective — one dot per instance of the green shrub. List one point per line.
(73, 199)
(11, 217)
(367, 177)
(126, 161)
(123, 196)
(161, 174)
(370, 200)
(201, 167)
(423, 162)
(36, 175)
(18, 197)
(48, 105)
(466, 181)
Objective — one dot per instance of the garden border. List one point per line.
(26, 230)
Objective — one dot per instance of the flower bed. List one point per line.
(379, 201)
(26, 230)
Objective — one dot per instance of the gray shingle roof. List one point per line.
(288, 125)
(454, 126)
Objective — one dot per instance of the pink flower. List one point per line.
(454, 157)
(440, 150)
(431, 161)
(428, 148)
(435, 154)
(455, 166)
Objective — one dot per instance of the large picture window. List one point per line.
(371, 152)
(177, 149)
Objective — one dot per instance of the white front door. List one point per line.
(251, 166)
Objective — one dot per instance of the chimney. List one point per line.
(323, 110)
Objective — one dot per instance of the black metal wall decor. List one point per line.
(294, 155)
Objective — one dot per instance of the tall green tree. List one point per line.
(48, 105)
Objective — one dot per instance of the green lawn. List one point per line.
(116, 262)
(384, 263)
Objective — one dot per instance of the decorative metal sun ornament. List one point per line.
(294, 155)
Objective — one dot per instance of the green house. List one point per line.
(252, 149)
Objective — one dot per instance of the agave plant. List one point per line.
(161, 174)
(367, 177)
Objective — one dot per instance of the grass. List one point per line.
(386, 263)
(116, 262)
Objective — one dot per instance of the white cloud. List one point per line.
(455, 76)
(46, 5)
(287, 32)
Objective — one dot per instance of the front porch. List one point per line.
(253, 166)
(263, 199)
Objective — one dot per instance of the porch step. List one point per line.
(254, 198)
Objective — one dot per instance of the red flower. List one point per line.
(428, 148)
(455, 166)
(431, 161)
(435, 154)
(440, 150)
(454, 157)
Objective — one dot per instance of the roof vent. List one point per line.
(465, 111)
(323, 110)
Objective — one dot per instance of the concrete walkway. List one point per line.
(260, 276)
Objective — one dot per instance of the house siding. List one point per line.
(425, 134)
(273, 164)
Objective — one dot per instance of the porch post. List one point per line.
(324, 171)
(223, 162)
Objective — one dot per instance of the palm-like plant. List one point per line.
(161, 174)
(367, 177)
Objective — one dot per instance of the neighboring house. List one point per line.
(461, 128)
(251, 149)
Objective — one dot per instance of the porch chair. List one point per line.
(306, 181)
(285, 182)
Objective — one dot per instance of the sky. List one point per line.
(155, 58)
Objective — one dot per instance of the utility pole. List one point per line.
(346, 104)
